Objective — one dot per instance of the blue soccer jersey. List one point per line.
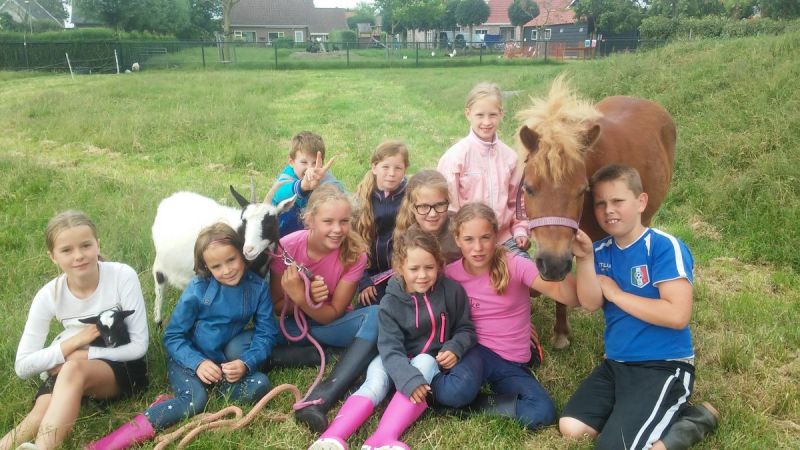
(654, 258)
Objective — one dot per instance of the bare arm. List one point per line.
(561, 291)
(292, 284)
(590, 295)
(672, 310)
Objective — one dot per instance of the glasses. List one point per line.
(425, 209)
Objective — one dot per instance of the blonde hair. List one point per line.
(308, 143)
(352, 245)
(218, 233)
(618, 172)
(499, 268)
(365, 218)
(64, 221)
(428, 178)
(415, 237)
(485, 91)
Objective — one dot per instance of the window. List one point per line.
(547, 34)
(273, 35)
(298, 36)
(534, 35)
(481, 31)
(237, 34)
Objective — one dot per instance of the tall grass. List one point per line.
(114, 146)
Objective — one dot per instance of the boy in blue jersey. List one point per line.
(306, 172)
(642, 279)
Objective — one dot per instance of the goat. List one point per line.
(112, 328)
(181, 216)
(135, 67)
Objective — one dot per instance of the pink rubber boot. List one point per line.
(399, 415)
(137, 430)
(354, 412)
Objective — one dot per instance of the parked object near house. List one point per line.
(182, 215)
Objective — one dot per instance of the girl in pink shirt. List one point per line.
(481, 168)
(497, 284)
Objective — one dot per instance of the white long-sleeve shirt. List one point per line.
(118, 286)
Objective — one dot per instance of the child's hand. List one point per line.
(292, 285)
(82, 339)
(234, 370)
(367, 296)
(522, 242)
(208, 372)
(582, 245)
(446, 359)
(419, 394)
(313, 175)
(609, 287)
(319, 290)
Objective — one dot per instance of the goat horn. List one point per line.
(252, 190)
(274, 189)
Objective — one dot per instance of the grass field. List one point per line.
(114, 146)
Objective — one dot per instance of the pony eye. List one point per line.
(528, 189)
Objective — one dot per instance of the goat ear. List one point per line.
(242, 201)
(92, 319)
(529, 138)
(286, 204)
(126, 313)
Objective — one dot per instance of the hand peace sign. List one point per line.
(314, 175)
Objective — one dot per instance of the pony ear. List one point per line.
(242, 201)
(592, 135)
(529, 138)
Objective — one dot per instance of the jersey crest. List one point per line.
(640, 277)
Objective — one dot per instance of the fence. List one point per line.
(117, 56)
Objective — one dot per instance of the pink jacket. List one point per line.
(487, 172)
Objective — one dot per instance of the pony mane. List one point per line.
(561, 121)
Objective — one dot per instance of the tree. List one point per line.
(56, 8)
(362, 13)
(610, 16)
(419, 14)
(158, 16)
(204, 19)
(521, 12)
(472, 12)
(780, 9)
(684, 8)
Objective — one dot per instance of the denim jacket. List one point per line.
(208, 315)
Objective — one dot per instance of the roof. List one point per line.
(299, 13)
(20, 9)
(559, 12)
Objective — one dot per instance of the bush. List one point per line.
(341, 37)
(283, 42)
(664, 28)
(84, 34)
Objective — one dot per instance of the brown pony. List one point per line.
(564, 140)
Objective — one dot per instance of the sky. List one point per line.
(338, 3)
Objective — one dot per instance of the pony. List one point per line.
(563, 140)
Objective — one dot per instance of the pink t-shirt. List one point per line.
(328, 267)
(502, 322)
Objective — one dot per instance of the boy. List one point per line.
(306, 172)
(642, 278)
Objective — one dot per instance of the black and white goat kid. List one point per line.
(182, 215)
(112, 327)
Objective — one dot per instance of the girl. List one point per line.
(425, 204)
(424, 317)
(336, 256)
(75, 367)
(380, 194)
(480, 168)
(497, 283)
(220, 300)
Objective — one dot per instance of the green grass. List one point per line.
(114, 146)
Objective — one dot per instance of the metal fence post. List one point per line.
(545, 50)
(276, 55)
(480, 56)
(203, 52)
(417, 45)
(347, 50)
(25, 50)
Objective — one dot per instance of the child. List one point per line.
(218, 303)
(497, 283)
(480, 168)
(426, 204)
(306, 173)
(335, 254)
(642, 278)
(77, 368)
(424, 324)
(380, 194)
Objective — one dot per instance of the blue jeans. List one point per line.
(377, 383)
(460, 385)
(361, 323)
(191, 395)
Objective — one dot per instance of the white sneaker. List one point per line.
(27, 446)
(328, 443)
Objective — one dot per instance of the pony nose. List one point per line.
(553, 267)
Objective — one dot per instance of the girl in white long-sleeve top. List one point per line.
(74, 366)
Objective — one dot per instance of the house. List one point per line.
(268, 20)
(27, 11)
(556, 22)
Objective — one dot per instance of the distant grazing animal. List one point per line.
(112, 327)
(182, 215)
(135, 67)
(564, 141)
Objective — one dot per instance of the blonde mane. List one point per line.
(561, 121)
